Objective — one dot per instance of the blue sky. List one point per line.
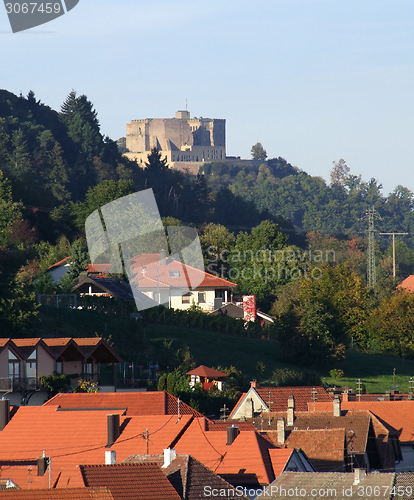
(313, 80)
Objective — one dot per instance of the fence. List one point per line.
(59, 300)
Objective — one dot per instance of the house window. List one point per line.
(174, 274)
(14, 366)
(201, 297)
(185, 299)
(59, 367)
(31, 365)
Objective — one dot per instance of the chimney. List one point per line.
(163, 256)
(255, 384)
(291, 410)
(232, 433)
(359, 475)
(110, 457)
(281, 435)
(169, 456)
(387, 396)
(249, 413)
(4, 413)
(42, 465)
(345, 397)
(337, 407)
(113, 429)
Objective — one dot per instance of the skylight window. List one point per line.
(174, 274)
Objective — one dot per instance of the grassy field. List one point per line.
(377, 372)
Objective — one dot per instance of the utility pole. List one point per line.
(393, 249)
(371, 214)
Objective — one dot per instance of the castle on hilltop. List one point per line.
(184, 141)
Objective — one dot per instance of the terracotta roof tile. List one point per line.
(26, 342)
(52, 494)
(303, 395)
(398, 414)
(324, 448)
(205, 371)
(407, 284)
(211, 449)
(358, 423)
(132, 481)
(136, 403)
(189, 476)
(57, 342)
(184, 275)
(279, 459)
(71, 437)
(57, 264)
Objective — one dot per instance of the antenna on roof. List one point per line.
(314, 396)
(270, 402)
(224, 411)
(178, 406)
(359, 389)
(186, 104)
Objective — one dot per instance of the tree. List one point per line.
(339, 173)
(258, 152)
(392, 324)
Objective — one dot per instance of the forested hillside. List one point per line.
(293, 240)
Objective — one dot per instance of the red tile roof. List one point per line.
(398, 414)
(136, 403)
(280, 459)
(303, 397)
(136, 481)
(98, 268)
(324, 448)
(189, 476)
(57, 264)
(205, 371)
(407, 284)
(26, 342)
(184, 275)
(71, 437)
(53, 494)
(248, 452)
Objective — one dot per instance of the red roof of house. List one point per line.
(57, 264)
(205, 371)
(148, 271)
(398, 414)
(131, 481)
(60, 494)
(135, 403)
(73, 437)
(189, 476)
(325, 448)
(248, 453)
(98, 268)
(407, 284)
(280, 459)
(303, 397)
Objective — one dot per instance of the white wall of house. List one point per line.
(250, 404)
(194, 297)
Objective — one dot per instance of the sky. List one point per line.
(312, 80)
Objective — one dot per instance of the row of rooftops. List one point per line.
(71, 349)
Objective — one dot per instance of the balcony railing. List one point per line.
(21, 383)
